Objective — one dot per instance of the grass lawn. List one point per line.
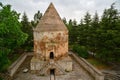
(98, 64)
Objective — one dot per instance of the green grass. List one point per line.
(98, 64)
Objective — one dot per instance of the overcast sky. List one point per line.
(71, 9)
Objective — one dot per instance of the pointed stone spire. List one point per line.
(51, 21)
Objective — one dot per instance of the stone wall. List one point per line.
(66, 65)
(51, 41)
(60, 66)
(13, 68)
(88, 67)
(36, 64)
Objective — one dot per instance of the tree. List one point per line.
(93, 32)
(73, 32)
(37, 17)
(81, 32)
(81, 22)
(64, 21)
(85, 33)
(87, 19)
(70, 24)
(95, 21)
(109, 36)
(74, 23)
(27, 28)
(11, 36)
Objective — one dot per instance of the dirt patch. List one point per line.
(24, 65)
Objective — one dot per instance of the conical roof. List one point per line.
(51, 21)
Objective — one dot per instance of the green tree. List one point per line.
(64, 21)
(74, 23)
(95, 21)
(27, 28)
(87, 20)
(73, 32)
(109, 36)
(37, 17)
(81, 32)
(85, 30)
(93, 32)
(81, 22)
(11, 36)
(69, 26)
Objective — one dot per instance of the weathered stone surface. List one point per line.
(51, 21)
(51, 45)
(36, 64)
(43, 67)
(77, 73)
(13, 68)
(66, 63)
(46, 42)
(95, 73)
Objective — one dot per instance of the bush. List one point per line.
(80, 50)
(1, 78)
(4, 61)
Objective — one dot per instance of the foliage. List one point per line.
(81, 51)
(97, 63)
(85, 33)
(11, 36)
(27, 28)
(4, 61)
(109, 34)
(37, 17)
(73, 31)
(64, 21)
(1, 78)
(99, 35)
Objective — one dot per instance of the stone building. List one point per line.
(51, 45)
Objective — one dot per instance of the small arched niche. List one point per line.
(51, 55)
(52, 71)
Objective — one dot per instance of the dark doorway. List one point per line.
(51, 55)
(52, 71)
(52, 74)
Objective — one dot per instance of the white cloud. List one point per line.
(71, 9)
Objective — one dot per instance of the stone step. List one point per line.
(46, 67)
(60, 68)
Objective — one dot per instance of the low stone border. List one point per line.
(88, 67)
(13, 68)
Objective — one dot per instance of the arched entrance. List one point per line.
(51, 55)
(52, 74)
(52, 71)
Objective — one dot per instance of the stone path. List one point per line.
(77, 74)
(112, 74)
